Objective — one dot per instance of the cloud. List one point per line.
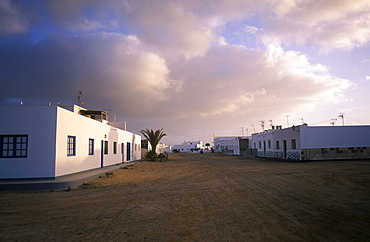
(232, 81)
(12, 20)
(111, 70)
(341, 24)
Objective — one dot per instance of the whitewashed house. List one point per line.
(189, 146)
(313, 143)
(53, 141)
(228, 145)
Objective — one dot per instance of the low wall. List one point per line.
(336, 153)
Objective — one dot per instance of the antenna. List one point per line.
(79, 98)
(287, 120)
(333, 121)
(341, 115)
(263, 124)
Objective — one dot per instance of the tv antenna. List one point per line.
(79, 98)
(341, 115)
(263, 124)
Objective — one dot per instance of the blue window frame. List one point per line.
(13, 146)
(91, 146)
(71, 146)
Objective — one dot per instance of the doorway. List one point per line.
(102, 154)
(123, 152)
(128, 151)
(285, 148)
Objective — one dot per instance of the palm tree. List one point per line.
(153, 138)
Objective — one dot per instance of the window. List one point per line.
(294, 144)
(13, 146)
(277, 145)
(71, 146)
(114, 147)
(91, 146)
(105, 147)
(259, 145)
(269, 144)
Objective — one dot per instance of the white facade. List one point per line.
(314, 143)
(188, 146)
(48, 130)
(229, 145)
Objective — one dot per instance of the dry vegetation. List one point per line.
(219, 198)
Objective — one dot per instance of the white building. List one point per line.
(228, 145)
(189, 146)
(314, 143)
(52, 141)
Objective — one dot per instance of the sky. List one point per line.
(197, 69)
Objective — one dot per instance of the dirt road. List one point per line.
(218, 198)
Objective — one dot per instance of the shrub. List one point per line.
(151, 156)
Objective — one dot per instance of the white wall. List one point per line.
(83, 129)
(231, 144)
(334, 136)
(47, 128)
(39, 123)
(187, 146)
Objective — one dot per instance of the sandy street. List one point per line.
(218, 198)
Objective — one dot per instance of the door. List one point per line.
(284, 146)
(123, 152)
(102, 154)
(128, 151)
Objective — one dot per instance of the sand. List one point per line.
(218, 198)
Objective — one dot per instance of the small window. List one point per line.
(259, 144)
(277, 145)
(105, 147)
(294, 146)
(114, 147)
(91, 146)
(71, 146)
(269, 144)
(13, 146)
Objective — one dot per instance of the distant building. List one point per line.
(313, 143)
(53, 141)
(233, 145)
(189, 146)
(146, 146)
